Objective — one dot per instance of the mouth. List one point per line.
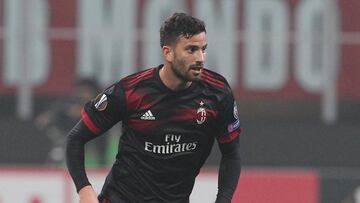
(196, 68)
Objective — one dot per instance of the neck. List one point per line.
(171, 80)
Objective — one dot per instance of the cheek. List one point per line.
(188, 60)
(186, 63)
(183, 61)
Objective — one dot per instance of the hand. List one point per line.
(88, 195)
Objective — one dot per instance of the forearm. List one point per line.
(75, 142)
(229, 173)
(228, 179)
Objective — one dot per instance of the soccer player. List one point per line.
(171, 116)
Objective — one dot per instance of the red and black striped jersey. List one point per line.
(166, 135)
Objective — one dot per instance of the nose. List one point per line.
(200, 58)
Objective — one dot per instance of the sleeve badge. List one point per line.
(101, 102)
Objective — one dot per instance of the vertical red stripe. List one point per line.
(88, 122)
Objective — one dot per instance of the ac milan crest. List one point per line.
(201, 114)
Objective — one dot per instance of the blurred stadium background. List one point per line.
(294, 66)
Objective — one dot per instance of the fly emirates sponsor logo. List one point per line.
(172, 145)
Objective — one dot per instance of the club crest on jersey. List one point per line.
(101, 102)
(201, 114)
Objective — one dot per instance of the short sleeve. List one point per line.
(105, 110)
(229, 122)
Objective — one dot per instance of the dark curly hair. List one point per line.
(177, 25)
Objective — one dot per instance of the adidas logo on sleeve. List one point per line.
(147, 116)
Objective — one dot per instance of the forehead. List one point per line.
(195, 40)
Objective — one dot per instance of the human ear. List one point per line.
(168, 53)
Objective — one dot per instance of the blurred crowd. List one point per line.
(59, 117)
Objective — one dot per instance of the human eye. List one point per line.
(192, 49)
(203, 49)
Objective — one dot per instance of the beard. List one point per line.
(183, 72)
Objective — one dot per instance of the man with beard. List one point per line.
(171, 116)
